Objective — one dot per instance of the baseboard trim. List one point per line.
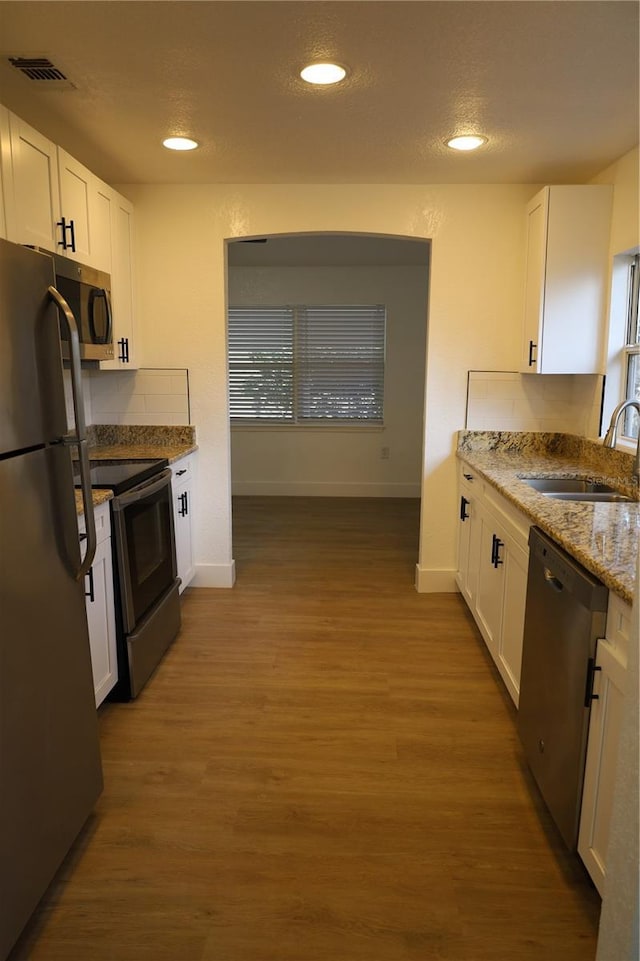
(322, 489)
(429, 581)
(214, 575)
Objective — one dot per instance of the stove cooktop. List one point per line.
(118, 476)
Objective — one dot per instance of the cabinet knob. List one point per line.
(532, 347)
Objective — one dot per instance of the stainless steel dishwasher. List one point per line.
(565, 614)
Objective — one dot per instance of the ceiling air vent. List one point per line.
(42, 71)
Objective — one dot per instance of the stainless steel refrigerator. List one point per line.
(50, 770)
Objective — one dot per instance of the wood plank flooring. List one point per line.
(325, 767)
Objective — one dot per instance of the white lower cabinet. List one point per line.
(604, 737)
(101, 610)
(182, 488)
(493, 562)
(468, 537)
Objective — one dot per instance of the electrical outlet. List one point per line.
(384, 453)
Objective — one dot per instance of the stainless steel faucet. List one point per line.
(611, 437)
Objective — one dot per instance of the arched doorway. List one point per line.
(290, 456)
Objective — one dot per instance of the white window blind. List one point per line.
(307, 364)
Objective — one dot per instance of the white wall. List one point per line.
(474, 315)
(329, 461)
(623, 174)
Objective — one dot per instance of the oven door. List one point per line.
(145, 546)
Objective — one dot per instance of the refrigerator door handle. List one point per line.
(78, 439)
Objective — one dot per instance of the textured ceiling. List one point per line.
(553, 85)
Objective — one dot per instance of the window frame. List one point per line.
(615, 370)
(631, 349)
(303, 361)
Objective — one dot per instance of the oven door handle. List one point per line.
(123, 501)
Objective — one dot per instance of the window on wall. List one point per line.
(307, 365)
(632, 347)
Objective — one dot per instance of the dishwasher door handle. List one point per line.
(552, 580)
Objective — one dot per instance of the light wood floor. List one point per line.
(324, 768)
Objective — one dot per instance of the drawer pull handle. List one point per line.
(589, 696)
(496, 544)
(91, 592)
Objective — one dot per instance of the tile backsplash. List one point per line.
(506, 400)
(145, 396)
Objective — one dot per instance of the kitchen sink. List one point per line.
(575, 489)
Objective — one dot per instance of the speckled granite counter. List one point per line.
(111, 442)
(119, 442)
(99, 497)
(601, 536)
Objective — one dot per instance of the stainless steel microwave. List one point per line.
(88, 293)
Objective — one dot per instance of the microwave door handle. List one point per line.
(122, 501)
(100, 292)
(107, 307)
(78, 438)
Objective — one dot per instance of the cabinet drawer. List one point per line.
(618, 626)
(466, 474)
(181, 470)
(516, 523)
(103, 523)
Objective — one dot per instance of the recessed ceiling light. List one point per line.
(323, 73)
(180, 143)
(469, 142)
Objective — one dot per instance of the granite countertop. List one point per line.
(120, 442)
(603, 537)
(99, 497)
(172, 452)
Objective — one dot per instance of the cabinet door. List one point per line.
(101, 202)
(516, 564)
(34, 212)
(490, 588)
(122, 287)
(183, 514)
(101, 619)
(565, 281)
(534, 283)
(602, 751)
(468, 547)
(75, 203)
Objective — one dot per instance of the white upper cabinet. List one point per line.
(565, 281)
(33, 193)
(50, 200)
(122, 286)
(54, 201)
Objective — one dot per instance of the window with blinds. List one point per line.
(306, 364)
